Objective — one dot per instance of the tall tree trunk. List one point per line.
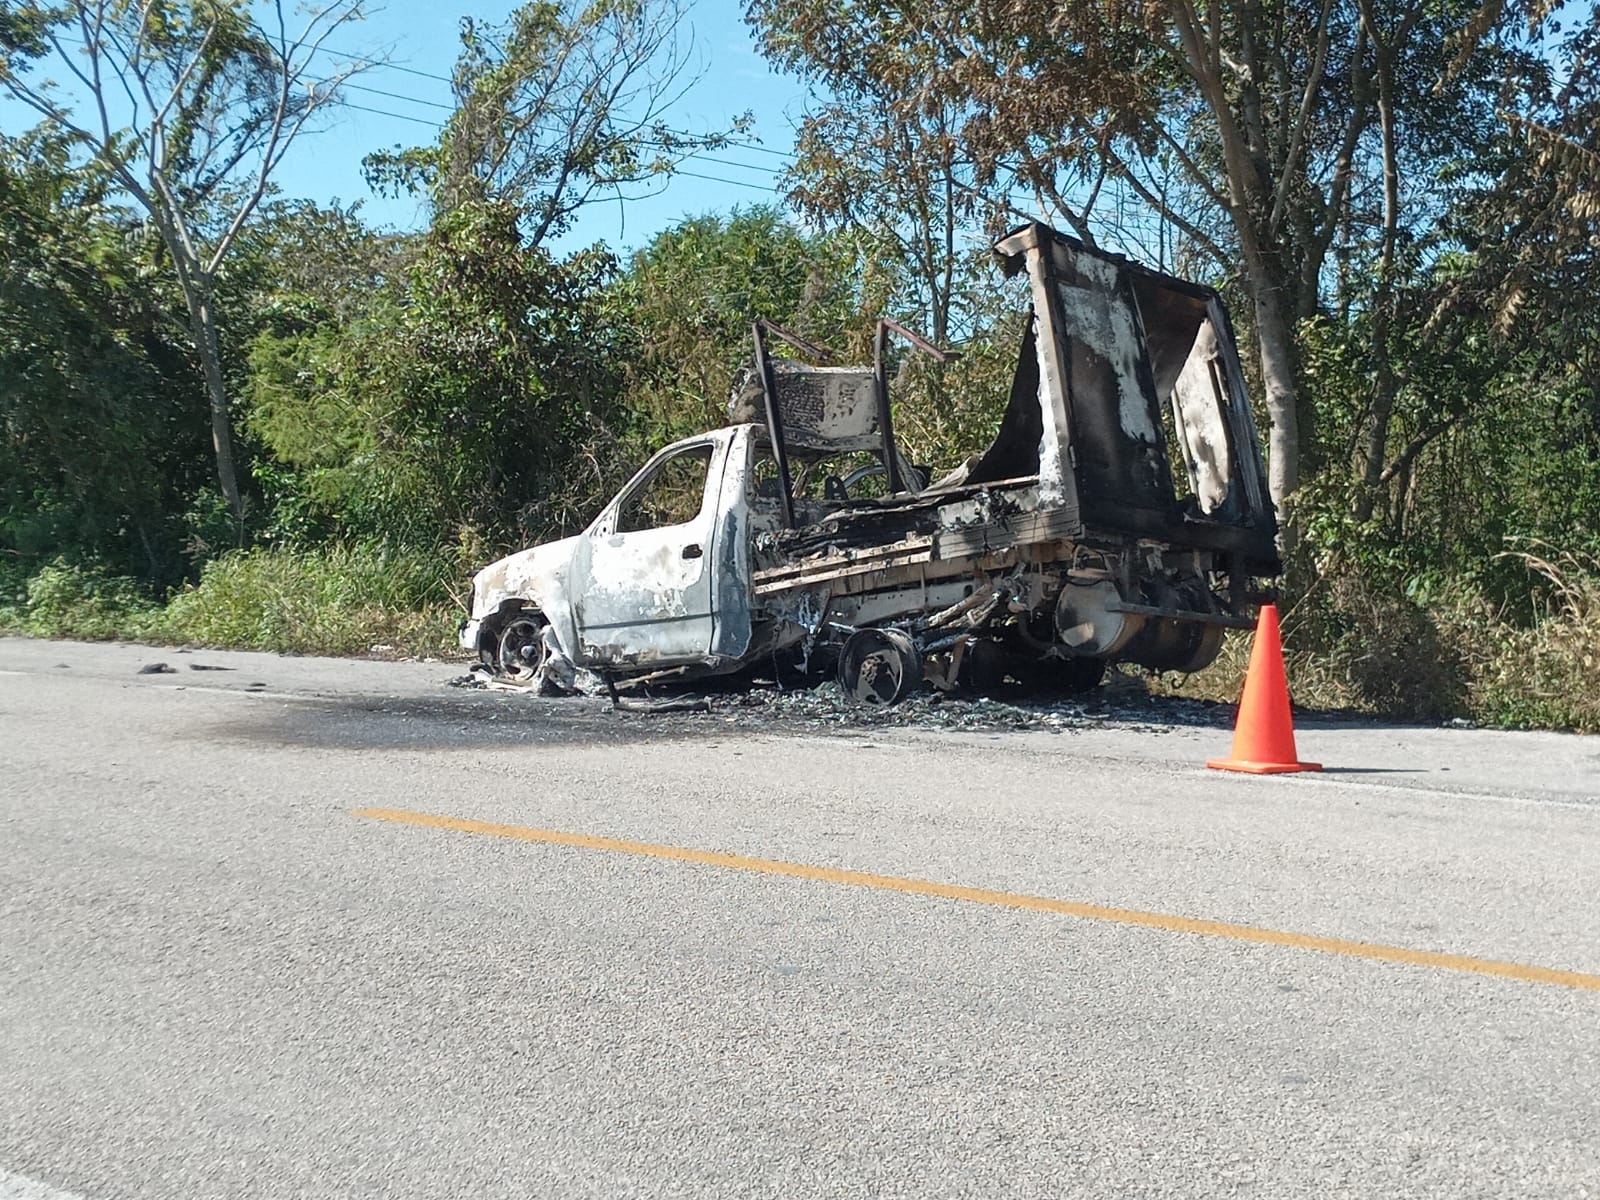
(1282, 394)
(202, 320)
(1275, 340)
(1249, 199)
(1385, 385)
(195, 283)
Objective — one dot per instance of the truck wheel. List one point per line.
(879, 667)
(984, 669)
(514, 648)
(1078, 675)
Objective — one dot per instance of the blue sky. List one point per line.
(403, 99)
(403, 103)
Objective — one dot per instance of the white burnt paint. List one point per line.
(1199, 401)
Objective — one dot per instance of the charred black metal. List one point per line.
(780, 452)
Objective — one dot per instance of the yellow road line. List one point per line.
(974, 895)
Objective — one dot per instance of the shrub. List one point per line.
(13, 595)
(1388, 651)
(330, 600)
(82, 600)
(1539, 675)
(1350, 645)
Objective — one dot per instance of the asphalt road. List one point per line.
(712, 956)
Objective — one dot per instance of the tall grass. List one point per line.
(1350, 646)
(331, 600)
(1542, 675)
(1358, 649)
(77, 600)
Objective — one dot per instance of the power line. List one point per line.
(755, 187)
(731, 162)
(382, 65)
(710, 158)
(744, 183)
(356, 87)
(363, 63)
(787, 154)
(397, 116)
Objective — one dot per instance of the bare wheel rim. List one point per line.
(519, 650)
(879, 667)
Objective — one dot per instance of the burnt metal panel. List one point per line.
(769, 392)
(1014, 453)
(1124, 343)
(1029, 247)
(1119, 449)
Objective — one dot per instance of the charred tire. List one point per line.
(986, 667)
(513, 646)
(1036, 676)
(1075, 676)
(879, 667)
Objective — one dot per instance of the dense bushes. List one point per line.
(1539, 674)
(80, 601)
(329, 600)
(1462, 657)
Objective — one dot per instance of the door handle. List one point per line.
(692, 550)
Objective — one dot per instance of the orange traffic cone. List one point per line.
(1263, 736)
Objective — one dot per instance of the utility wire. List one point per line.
(710, 158)
(731, 162)
(755, 187)
(357, 87)
(744, 183)
(397, 116)
(381, 65)
(365, 63)
(785, 154)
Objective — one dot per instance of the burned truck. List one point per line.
(1119, 515)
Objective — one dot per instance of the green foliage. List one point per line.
(695, 290)
(1540, 675)
(694, 293)
(211, 100)
(98, 444)
(1384, 649)
(1350, 645)
(336, 599)
(81, 600)
(469, 397)
(1493, 444)
(945, 414)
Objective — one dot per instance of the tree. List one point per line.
(192, 106)
(1249, 128)
(1507, 443)
(560, 108)
(463, 405)
(504, 350)
(98, 453)
(904, 183)
(694, 292)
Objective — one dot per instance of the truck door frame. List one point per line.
(647, 596)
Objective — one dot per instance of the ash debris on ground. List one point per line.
(826, 707)
(761, 704)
